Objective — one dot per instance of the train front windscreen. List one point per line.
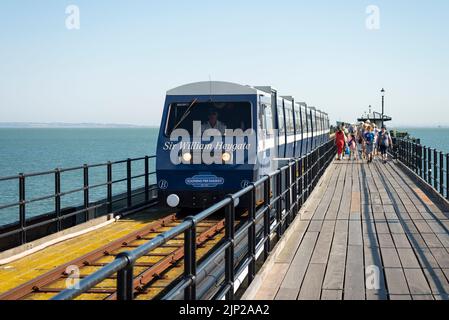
(209, 115)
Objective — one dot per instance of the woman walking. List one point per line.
(369, 141)
(352, 144)
(340, 141)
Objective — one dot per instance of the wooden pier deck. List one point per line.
(363, 222)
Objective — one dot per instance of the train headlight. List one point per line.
(187, 157)
(226, 157)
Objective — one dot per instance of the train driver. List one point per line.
(213, 122)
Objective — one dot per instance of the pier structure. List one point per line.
(370, 231)
(326, 230)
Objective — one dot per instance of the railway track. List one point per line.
(153, 273)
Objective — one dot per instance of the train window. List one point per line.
(289, 120)
(311, 125)
(304, 119)
(297, 120)
(231, 115)
(281, 118)
(268, 118)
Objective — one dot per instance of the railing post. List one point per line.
(278, 179)
(420, 160)
(229, 254)
(109, 186)
(288, 193)
(147, 181)
(190, 259)
(125, 279)
(435, 169)
(58, 199)
(425, 162)
(86, 191)
(301, 180)
(306, 178)
(295, 188)
(447, 176)
(22, 212)
(252, 235)
(441, 174)
(429, 164)
(128, 183)
(266, 218)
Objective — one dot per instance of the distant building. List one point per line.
(374, 117)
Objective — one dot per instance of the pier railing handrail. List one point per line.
(292, 184)
(23, 225)
(431, 164)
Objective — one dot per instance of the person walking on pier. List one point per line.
(340, 141)
(352, 144)
(384, 142)
(369, 141)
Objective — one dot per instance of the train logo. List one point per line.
(163, 184)
(244, 184)
(204, 181)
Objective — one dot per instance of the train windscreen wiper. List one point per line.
(185, 114)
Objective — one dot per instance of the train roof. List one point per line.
(212, 88)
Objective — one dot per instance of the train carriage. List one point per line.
(218, 137)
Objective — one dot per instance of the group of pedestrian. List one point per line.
(364, 138)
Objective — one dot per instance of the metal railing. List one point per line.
(284, 192)
(428, 163)
(126, 199)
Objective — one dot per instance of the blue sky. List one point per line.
(127, 54)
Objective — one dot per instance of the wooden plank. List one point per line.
(396, 282)
(390, 258)
(333, 295)
(335, 273)
(417, 282)
(432, 240)
(311, 287)
(355, 233)
(385, 240)
(400, 297)
(401, 241)
(323, 246)
(437, 281)
(270, 285)
(291, 284)
(441, 256)
(408, 258)
(355, 274)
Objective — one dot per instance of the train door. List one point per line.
(320, 128)
(281, 128)
(311, 128)
(303, 130)
(298, 131)
(290, 129)
(267, 150)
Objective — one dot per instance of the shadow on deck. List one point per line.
(367, 232)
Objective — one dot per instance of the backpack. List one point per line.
(385, 139)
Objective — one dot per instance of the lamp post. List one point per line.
(383, 104)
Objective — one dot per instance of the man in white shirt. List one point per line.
(213, 122)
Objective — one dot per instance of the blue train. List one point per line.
(217, 137)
